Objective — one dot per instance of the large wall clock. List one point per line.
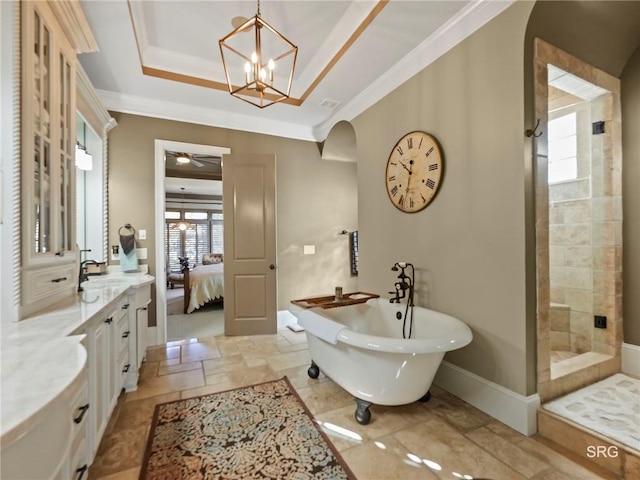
(414, 171)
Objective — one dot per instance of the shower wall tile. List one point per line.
(580, 300)
(569, 235)
(559, 317)
(571, 277)
(559, 341)
(580, 343)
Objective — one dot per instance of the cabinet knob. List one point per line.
(125, 306)
(126, 368)
(125, 334)
(83, 409)
(60, 253)
(108, 320)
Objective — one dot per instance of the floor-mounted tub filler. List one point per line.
(362, 349)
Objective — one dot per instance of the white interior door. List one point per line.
(248, 195)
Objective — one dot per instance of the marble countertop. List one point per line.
(42, 355)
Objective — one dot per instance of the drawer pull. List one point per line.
(126, 368)
(60, 253)
(80, 471)
(125, 306)
(144, 308)
(59, 279)
(109, 320)
(125, 334)
(83, 409)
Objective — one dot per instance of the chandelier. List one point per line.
(262, 76)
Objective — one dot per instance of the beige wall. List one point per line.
(316, 199)
(468, 246)
(630, 96)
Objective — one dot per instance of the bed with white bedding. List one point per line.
(202, 284)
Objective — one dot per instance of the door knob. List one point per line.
(272, 267)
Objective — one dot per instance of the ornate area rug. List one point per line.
(256, 432)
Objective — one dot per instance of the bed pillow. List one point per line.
(211, 258)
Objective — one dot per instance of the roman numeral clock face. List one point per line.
(414, 171)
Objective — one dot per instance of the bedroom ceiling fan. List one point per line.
(198, 160)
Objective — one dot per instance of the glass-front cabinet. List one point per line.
(48, 159)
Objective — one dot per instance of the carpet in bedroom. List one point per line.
(207, 321)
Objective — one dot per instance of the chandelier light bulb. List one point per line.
(182, 227)
(254, 57)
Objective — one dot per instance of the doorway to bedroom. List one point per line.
(190, 224)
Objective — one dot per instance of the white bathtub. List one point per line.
(371, 360)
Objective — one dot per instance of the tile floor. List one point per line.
(445, 438)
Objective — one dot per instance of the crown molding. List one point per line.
(459, 27)
(204, 116)
(90, 106)
(71, 16)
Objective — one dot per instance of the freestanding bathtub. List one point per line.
(370, 359)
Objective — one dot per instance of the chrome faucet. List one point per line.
(82, 274)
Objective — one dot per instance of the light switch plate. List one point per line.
(142, 234)
(309, 249)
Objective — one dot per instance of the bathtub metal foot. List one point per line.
(426, 397)
(314, 371)
(363, 414)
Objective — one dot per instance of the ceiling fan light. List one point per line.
(183, 158)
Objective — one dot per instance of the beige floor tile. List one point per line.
(385, 459)
(229, 363)
(437, 441)
(520, 460)
(206, 390)
(568, 468)
(148, 370)
(138, 413)
(195, 352)
(121, 450)
(130, 474)
(324, 396)
(227, 349)
(505, 431)
(258, 351)
(180, 367)
(283, 361)
(155, 354)
(457, 412)
(251, 376)
(384, 420)
(167, 383)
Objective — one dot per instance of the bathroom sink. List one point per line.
(98, 284)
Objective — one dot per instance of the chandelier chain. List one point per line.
(258, 7)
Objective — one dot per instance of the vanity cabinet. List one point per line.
(108, 339)
(54, 448)
(48, 159)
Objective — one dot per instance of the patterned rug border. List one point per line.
(323, 435)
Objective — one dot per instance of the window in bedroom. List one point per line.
(204, 234)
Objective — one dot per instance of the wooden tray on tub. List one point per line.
(329, 301)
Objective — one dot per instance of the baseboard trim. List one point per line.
(631, 359)
(152, 336)
(515, 410)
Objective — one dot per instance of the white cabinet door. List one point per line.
(101, 365)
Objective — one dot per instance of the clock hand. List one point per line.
(404, 166)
